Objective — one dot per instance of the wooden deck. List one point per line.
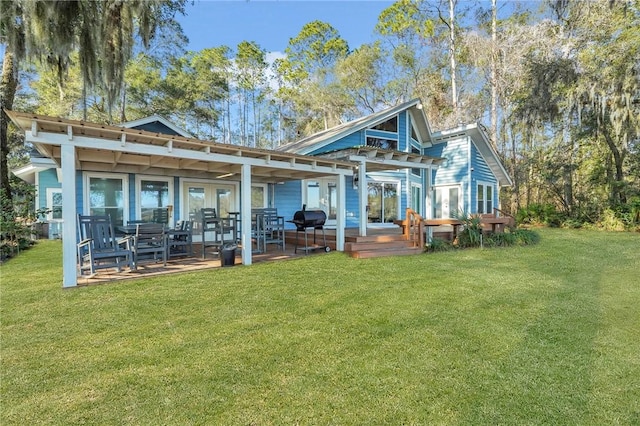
(378, 242)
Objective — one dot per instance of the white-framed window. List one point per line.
(416, 171)
(485, 198)
(107, 194)
(153, 192)
(416, 198)
(54, 204)
(321, 194)
(259, 196)
(383, 201)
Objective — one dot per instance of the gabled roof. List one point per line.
(37, 164)
(156, 124)
(321, 139)
(481, 140)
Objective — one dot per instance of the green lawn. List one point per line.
(547, 334)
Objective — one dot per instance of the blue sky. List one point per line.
(212, 23)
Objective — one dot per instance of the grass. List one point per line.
(546, 334)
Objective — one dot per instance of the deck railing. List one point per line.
(414, 228)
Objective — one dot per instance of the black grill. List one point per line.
(310, 219)
(304, 219)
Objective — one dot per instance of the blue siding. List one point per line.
(176, 199)
(79, 192)
(132, 196)
(481, 173)
(403, 142)
(352, 206)
(382, 134)
(455, 171)
(288, 200)
(46, 179)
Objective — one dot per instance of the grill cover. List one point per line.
(309, 219)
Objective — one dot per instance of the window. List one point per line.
(258, 197)
(106, 196)
(485, 198)
(416, 198)
(153, 194)
(382, 143)
(417, 172)
(390, 125)
(321, 194)
(313, 195)
(54, 203)
(414, 135)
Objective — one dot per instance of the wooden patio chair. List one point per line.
(223, 228)
(161, 215)
(150, 240)
(270, 228)
(99, 248)
(181, 239)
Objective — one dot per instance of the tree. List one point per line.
(251, 69)
(309, 86)
(49, 31)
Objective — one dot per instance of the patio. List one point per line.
(273, 253)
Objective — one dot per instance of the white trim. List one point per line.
(160, 119)
(485, 185)
(49, 204)
(410, 197)
(265, 187)
(86, 179)
(460, 187)
(387, 180)
(138, 191)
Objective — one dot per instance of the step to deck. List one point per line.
(379, 252)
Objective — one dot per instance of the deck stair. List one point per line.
(379, 246)
(379, 243)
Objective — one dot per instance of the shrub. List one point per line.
(543, 214)
(471, 234)
(438, 244)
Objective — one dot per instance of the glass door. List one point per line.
(321, 194)
(446, 201)
(207, 195)
(382, 202)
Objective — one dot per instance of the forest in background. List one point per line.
(557, 88)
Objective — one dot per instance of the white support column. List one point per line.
(69, 248)
(245, 215)
(428, 212)
(341, 221)
(363, 197)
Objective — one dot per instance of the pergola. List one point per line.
(78, 145)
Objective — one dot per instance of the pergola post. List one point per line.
(363, 197)
(341, 212)
(69, 242)
(245, 203)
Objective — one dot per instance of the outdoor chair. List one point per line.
(160, 215)
(223, 229)
(181, 239)
(99, 247)
(268, 228)
(150, 241)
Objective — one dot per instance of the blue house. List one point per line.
(363, 173)
(402, 164)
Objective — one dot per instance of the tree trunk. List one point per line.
(494, 74)
(452, 54)
(8, 87)
(617, 192)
